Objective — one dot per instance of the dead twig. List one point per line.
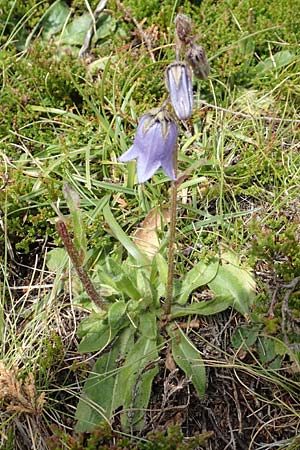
(142, 34)
(92, 30)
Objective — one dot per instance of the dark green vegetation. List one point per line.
(66, 119)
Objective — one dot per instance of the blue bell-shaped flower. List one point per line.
(153, 145)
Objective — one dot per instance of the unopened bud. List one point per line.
(195, 56)
(179, 85)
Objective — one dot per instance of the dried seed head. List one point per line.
(183, 27)
(195, 56)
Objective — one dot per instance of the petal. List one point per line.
(145, 172)
(168, 168)
(130, 154)
(152, 150)
(153, 146)
(167, 162)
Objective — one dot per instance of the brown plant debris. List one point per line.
(19, 395)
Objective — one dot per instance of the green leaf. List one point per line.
(159, 269)
(56, 259)
(277, 61)
(188, 358)
(105, 279)
(102, 392)
(116, 314)
(55, 18)
(92, 324)
(235, 283)
(266, 349)
(74, 33)
(148, 292)
(247, 45)
(148, 324)
(205, 308)
(124, 282)
(94, 341)
(105, 26)
(97, 334)
(245, 336)
(119, 234)
(201, 274)
(136, 378)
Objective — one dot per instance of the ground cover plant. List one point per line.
(98, 348)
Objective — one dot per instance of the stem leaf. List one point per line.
(119, 234)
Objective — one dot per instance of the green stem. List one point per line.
(171, 250)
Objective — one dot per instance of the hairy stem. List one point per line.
(171, 250)
(76, 260)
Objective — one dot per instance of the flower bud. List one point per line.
(179, 85)
(195, 56)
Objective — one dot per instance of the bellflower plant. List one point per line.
(154, 145)
(137, 297)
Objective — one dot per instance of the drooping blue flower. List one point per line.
(153, 145)
(179, 85)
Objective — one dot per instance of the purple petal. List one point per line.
(131, 153)
(153, 146)
(145, 172)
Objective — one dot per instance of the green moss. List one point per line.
(277, 244)
(105, 439)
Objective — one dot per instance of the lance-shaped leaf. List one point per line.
(205, 308)
(102, 392)
(136, 378)
(97, 334)
(237, 283)
(119, 234)
(188, 358)
(201, 274)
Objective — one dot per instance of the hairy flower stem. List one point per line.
(76, 260)
(171, 250)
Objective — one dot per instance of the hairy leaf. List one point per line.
(201, 274)
(102, 392)
(119, 234)
(205, 308)
(148, 324)
(97, 334)
(136, 378)
(188, 358)
(55, 18)
(236, 283)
